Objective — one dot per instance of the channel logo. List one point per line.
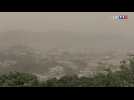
(120, 18)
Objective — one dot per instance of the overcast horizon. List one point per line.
(66, 30)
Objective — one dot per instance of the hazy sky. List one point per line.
(69, 21)
(67, 28)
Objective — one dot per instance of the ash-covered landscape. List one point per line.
(66, 49)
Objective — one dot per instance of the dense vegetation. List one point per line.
(122, 78)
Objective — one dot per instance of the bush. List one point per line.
(122, 78)
(18, 79)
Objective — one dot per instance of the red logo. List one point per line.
(125, 17)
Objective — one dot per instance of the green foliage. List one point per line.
(122, 78)
(18, 79)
